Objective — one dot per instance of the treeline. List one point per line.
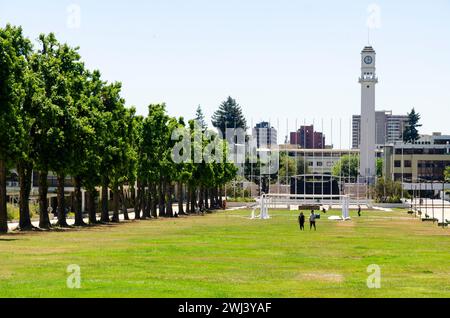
(58, 116)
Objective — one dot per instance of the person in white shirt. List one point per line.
(312, 221)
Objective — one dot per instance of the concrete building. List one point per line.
(424, 160)
(306, 137)
(368, 81)
(389, 128)
(319, 161)
(265, 135)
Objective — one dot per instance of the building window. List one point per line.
(397, 164)
(310, 163)
(432, 170)
(408, 164)
(319, 164)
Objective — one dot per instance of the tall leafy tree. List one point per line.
(130, 155)
(46, 66)
(34, 98)
(14, 49)
(154, 153)
(229, 115)
(112, 112)
(70, 69)
(411, 133)
(183, 171)
(87, 168)
(86, 88)
(141, 165)
(123, 169)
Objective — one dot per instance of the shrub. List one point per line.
(388, 191)
(13, 212)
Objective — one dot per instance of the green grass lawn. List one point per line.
(228, 255)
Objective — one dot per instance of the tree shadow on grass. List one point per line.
(7, 239)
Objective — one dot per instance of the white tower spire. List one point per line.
(368, 81)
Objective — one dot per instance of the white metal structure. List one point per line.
(263, 207)
(277, 201)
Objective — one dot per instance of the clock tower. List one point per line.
(368, 81)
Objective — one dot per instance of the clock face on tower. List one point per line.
(368, 60)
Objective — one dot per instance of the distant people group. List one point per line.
(313, 217)
(312, 221)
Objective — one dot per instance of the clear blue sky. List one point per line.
(282, 60)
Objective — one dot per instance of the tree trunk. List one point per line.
(162, 198)
(169, 188)
(212, 192)
(188, 199)
(201, 203)
(24, 170)
(216, 197)
(62, 222)
(193, 199)
(143, 200)
(138, 206)
(220, 197)
(148, 203)
(44, 219)
(124, 203)
(154, 201)
(180, 199)
(206, 199)
(140, 201)
(218, 204)
(105, 207)
(115, 218)
(3, 203)
(134, 200)
(78, 202)
(91, 206)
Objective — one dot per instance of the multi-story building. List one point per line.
(424, 160)
(265, 135)
(318, 161)
(389, 128)
(307, 138)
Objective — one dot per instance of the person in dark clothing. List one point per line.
(359, 210)
(301, 221)
(312, 221)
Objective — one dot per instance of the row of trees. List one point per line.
(58, 116)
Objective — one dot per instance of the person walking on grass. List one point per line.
(301, 220)
(359, 210)
(312, 221)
